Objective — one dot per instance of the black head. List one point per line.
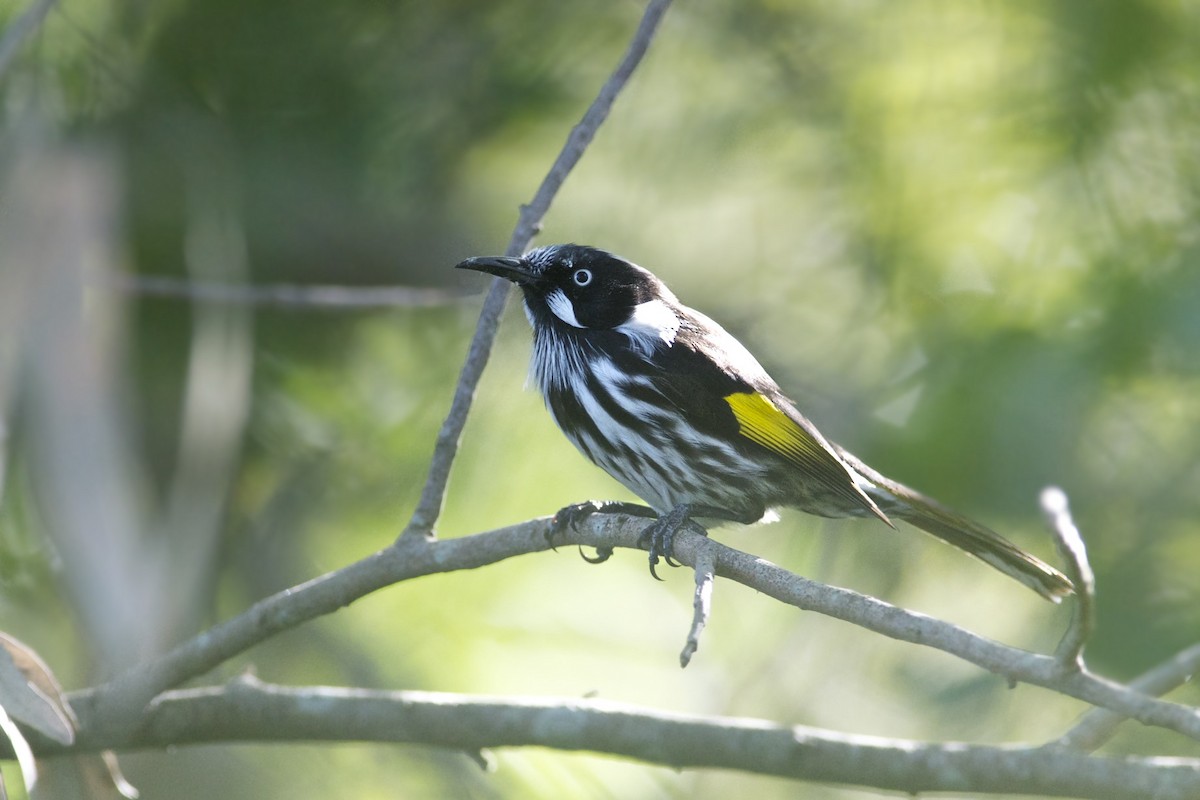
(576, 285)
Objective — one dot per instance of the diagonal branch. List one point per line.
(1099, 724)
(414, 558)
(910, 626)
(249, 710)
(432, 496)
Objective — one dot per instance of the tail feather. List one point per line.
(953, 528)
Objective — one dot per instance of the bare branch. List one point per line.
(284, 295)
(409, 559)
(1071, 547)
(248, 710)
(909, 626)
(21, 28)
(433, 494)
(1098, 725)
(705, 570)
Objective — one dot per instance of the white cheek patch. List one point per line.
(652, 323)
(561, 306)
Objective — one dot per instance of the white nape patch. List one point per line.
(560, 304)
(651, 324)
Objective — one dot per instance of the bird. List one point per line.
(679, 411)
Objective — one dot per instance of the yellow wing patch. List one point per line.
(761, 421)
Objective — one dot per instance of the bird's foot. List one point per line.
(659, 536)
(568, 518)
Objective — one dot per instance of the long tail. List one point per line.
(985, 544)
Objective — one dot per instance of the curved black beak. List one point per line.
(516, 270)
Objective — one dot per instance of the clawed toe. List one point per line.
(602, 555)
(566, 519)
(659, 539)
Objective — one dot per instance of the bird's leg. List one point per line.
(567, 517)
(659, 536)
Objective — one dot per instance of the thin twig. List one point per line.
(1099, 725)
(433, 494)
(249, 710)
(705, 570)
(20, 29)
(1074, 553)
(284, 295)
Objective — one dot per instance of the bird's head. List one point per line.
(587, 289)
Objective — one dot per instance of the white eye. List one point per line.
(582, 277)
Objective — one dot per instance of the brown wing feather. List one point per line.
(966, 534)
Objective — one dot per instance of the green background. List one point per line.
(963, 236)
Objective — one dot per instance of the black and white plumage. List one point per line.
(675, 408)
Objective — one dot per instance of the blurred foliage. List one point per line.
(964, 236)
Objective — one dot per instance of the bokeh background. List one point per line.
(965, 236)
